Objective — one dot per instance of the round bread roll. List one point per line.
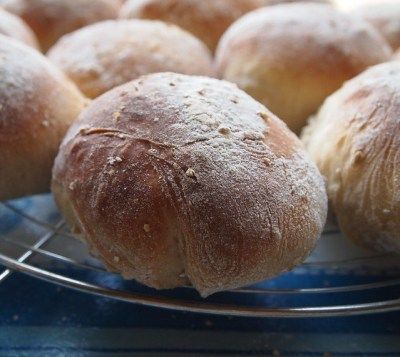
(355, 141)
(51, 19)
(292, 56)
(12, 26)
(385, 17)
(37, 105)
(176, 179)
(206, 19)
(104, 55)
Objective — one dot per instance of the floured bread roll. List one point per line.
(384, 16)
(206, 19)
(37, 105)
(175, 179)
(51, 19)
(291, 57)
(355, 141)
(110, 53)
(12, 26)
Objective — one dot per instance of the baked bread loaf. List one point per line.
(12, 26)
(176, 179)
(37, 105)
(51, 19)
(110, 53)
(291, 57)
(206, 19)
(355, 141)
(385, 17)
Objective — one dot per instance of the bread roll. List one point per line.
(385, 17)
(13, 26)
(355, 141)
(50, 19)
(104, 55)
(176, 179)
(206, 19)
(292, 56)
(37, 105)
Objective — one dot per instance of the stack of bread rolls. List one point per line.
(176, 178)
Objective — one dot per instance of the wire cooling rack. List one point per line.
(338, 280)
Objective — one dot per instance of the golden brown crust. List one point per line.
(206, 19)
(37, 105)
(291, 57)
(12, 26)
(174, 178)
(110, 53)
(385, 17)
(52, 19)
(355, 141)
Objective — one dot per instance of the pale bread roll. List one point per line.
(12, 26)
(206, 19)
(110, 53)
(355, 141)
(385, 17)
(37, 105)
(51, 19)
(291, 57)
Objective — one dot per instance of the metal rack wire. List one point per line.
(45, 249)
